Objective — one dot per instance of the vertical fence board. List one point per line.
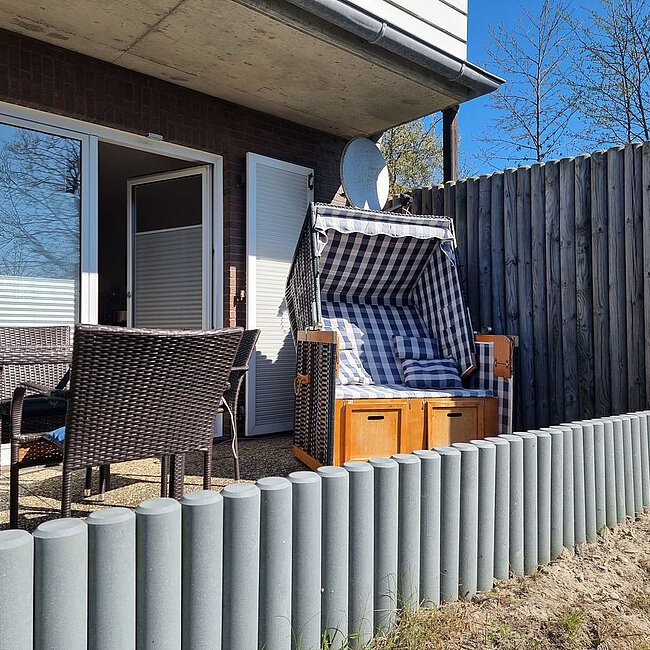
(484, 253)
(617, 298)
(634, 276)
(554, 289)
(600, 274)
(498, 263)
(460, 223)
(645, 202)
(584, 300)
(473, 249)
(526, 368)
(569, 330)
(448, 200)
(438, 200)
(426, 201)
(510, 250)
(538, 279)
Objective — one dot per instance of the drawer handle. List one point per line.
(454, 415)
(375, 417)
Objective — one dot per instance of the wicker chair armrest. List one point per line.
(16, 412)
(33, 387)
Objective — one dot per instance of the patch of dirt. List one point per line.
(597, 598)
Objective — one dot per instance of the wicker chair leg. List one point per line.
(207, 468)
(88, 481)
(164, 476)
(177, 476)
(104, 479)
(66, 494)
(13, 493)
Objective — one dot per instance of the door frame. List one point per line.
(252, 160)
(207, 229)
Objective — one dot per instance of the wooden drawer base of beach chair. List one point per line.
(459, 420)
(371, 428)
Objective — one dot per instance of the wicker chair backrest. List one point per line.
(37, 354)
(141, 393)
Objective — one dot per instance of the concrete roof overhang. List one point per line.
(322, 63)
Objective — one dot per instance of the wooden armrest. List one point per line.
(504, 347)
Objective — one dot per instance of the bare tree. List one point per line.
(535, 106)
(612, 90)
(413, 154)
(40, 191)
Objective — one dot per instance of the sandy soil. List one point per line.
(597, 598)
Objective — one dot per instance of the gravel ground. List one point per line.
(135, 481)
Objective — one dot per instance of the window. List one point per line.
(40, 217)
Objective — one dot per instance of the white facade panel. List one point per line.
(439, 22)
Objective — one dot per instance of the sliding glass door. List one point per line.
(40, 226)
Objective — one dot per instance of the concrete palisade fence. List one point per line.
(336, 552)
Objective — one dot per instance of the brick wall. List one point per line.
(56, 80)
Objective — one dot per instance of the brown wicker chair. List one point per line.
(138, 393)
(235, 382)
(38, 355)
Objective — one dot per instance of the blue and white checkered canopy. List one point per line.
(386, 274)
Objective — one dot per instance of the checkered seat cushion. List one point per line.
(399, 391)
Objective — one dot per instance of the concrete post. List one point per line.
(516, 503)
(637, 469)
(487, 458)
(408, 544)
(241, 557)
(599, 474)
(501, 509)
(276, 511)
(449, 521)
(306, 565)
(111, 578)
(429, 528)
(335, 539)
(619, 459)
(543, 496)
(386, 490)
(530, 502)
(362, 576)
(611, 496)
(16, 590)
(589, 479)
(645, 457)
(468, 552)
(60, 584)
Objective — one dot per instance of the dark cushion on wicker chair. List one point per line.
(431, 373)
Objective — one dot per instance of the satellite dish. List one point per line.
(364, 174)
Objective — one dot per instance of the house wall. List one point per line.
(55, 80)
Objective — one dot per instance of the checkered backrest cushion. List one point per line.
(351, 370)
(372, 328)
(415, 348)
(431, 373)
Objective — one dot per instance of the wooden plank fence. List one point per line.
(559, 255)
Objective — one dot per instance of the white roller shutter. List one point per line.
(168, 278)
(36, 301)
(278, 195)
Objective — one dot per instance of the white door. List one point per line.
(169, 266)
(277, 197)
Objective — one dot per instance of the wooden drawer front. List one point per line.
(372, 431)
(449, 424)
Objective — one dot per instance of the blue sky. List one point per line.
(475, 115)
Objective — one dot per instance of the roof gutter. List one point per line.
(375, 31)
